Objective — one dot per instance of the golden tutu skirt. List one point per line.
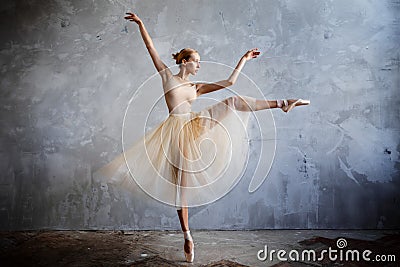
(189, 160)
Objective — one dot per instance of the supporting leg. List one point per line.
(183, 215)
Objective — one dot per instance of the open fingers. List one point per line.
(255, 52)
(130, 16)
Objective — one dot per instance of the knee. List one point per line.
(241, 103)
(234, 102)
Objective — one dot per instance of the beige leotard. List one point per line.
(179, 95)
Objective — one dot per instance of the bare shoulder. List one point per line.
(165, 73)
(169, 82)
(174, 81)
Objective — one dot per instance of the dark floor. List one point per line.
(212, 248)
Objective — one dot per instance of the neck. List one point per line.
(183, 75)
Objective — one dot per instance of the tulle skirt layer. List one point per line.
(190, 159)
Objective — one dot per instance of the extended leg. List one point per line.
(243, 103)
(288, 105)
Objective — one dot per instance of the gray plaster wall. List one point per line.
(68, 69)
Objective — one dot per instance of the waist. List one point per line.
(187, 114)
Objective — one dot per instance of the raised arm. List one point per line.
(160, 66)
(204, 88)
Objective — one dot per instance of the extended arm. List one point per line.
(160, 66)
(204, 88)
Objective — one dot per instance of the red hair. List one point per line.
(185, 53)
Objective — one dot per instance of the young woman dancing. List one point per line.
(172, 163)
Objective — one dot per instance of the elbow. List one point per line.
(229, 83)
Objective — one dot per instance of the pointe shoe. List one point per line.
(189, 256)
(286, 107)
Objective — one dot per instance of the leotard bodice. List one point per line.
(179, 95)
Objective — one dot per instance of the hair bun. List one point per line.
(185, 53)
(175, 56)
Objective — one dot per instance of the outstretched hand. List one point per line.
(253, 53)
(133, 17)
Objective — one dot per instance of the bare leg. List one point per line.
(243, 103)
(183, 212)
(183, 215)
(246, 104)
(265, 104)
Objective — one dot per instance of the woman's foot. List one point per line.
(288, 105)
(188, 248)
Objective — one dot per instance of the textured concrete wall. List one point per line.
(68, 68)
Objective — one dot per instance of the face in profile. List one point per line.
(193, 64)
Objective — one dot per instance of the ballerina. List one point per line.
(176, 170)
